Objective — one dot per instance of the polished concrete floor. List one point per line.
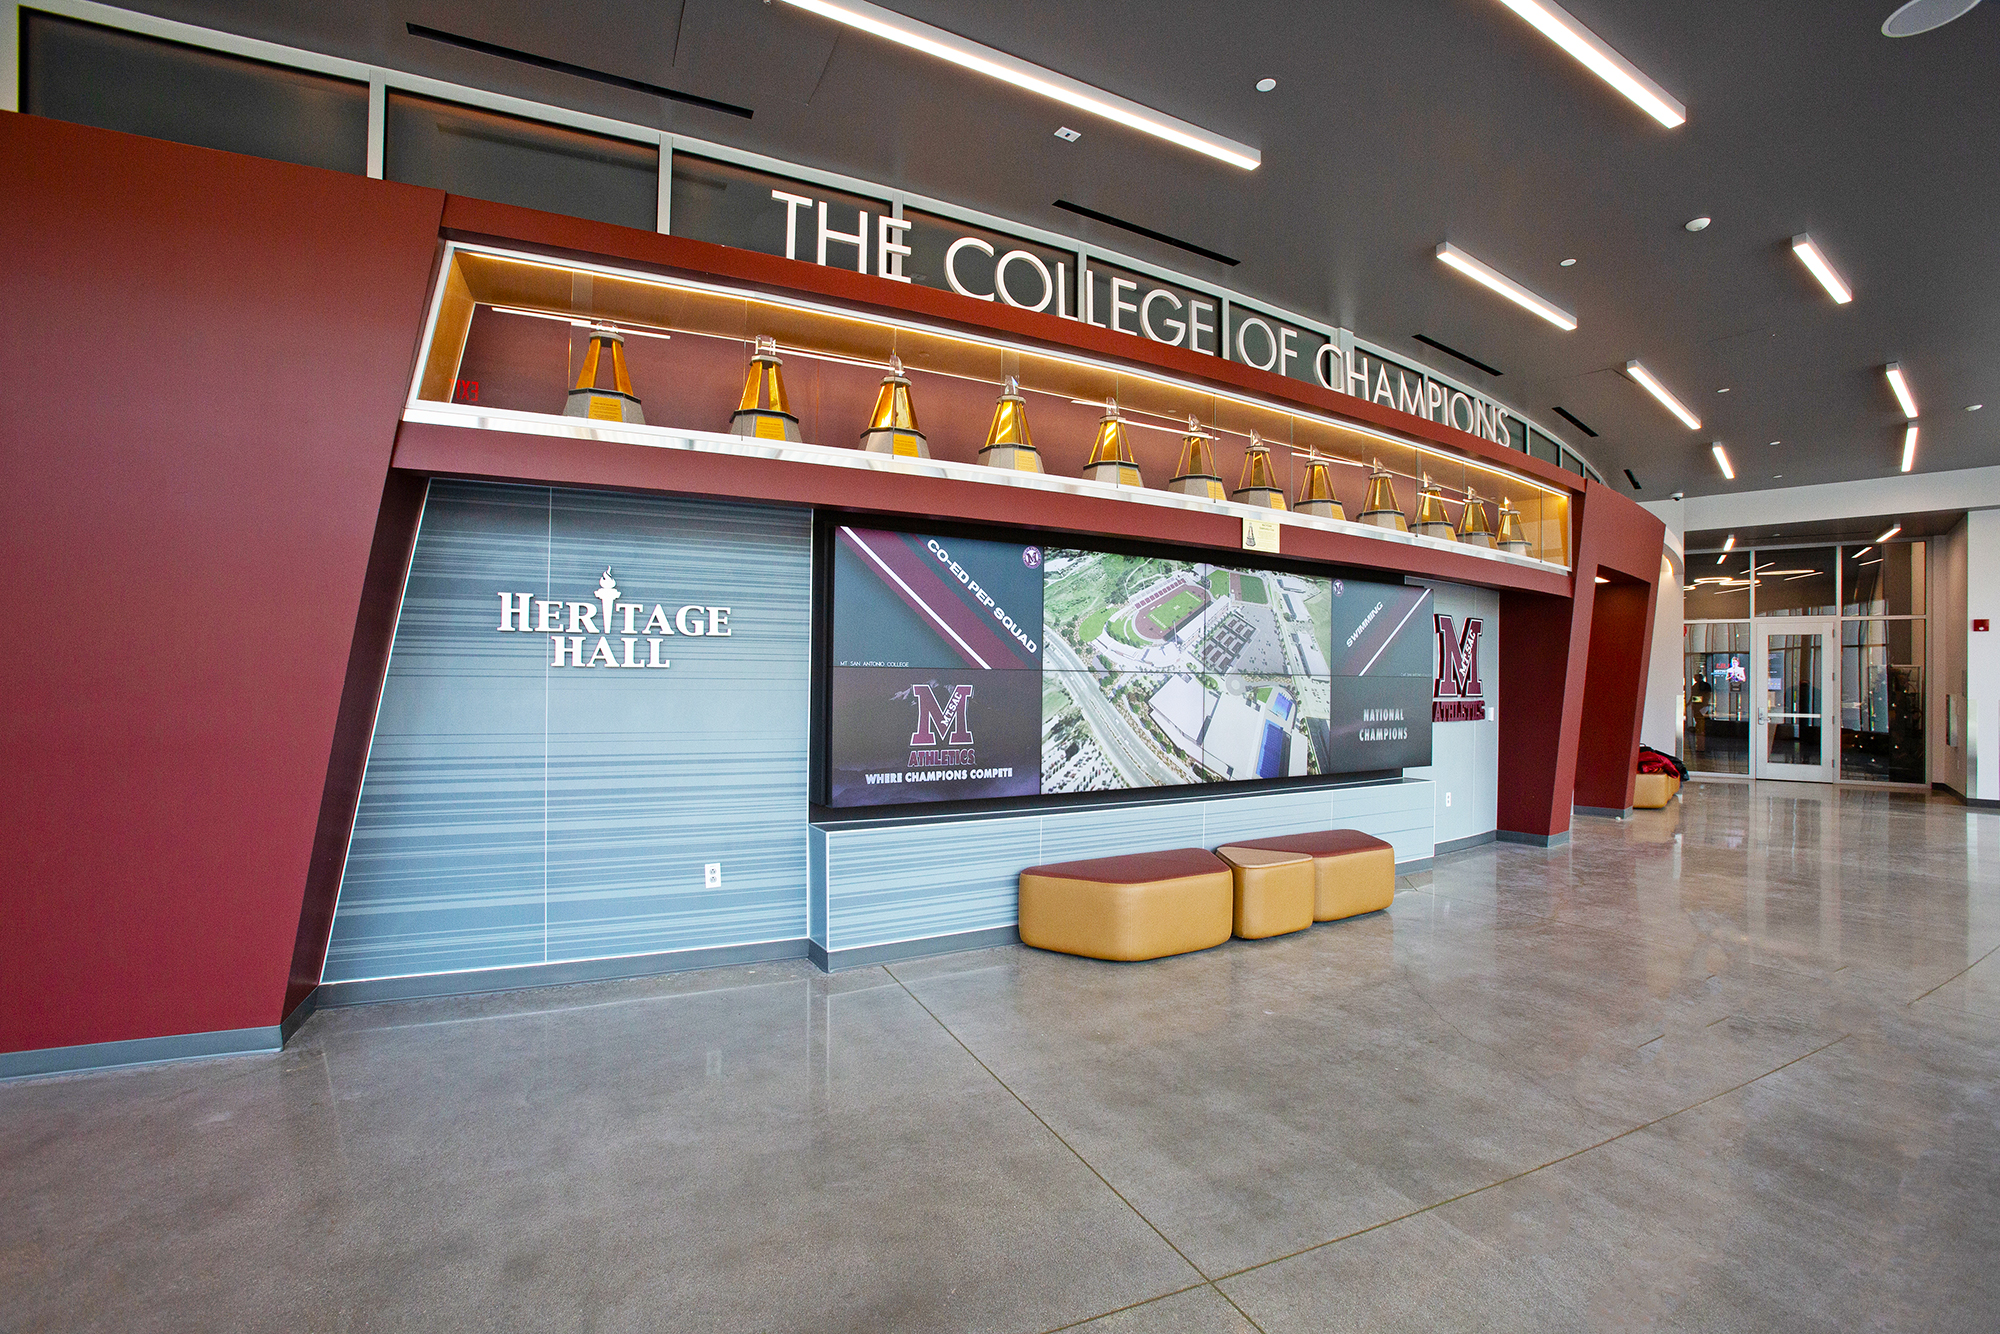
(1730, 1066)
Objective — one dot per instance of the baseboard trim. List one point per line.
(866, 956)
(1469, 841)
(1605, 812)
(1532, 840)
(140, 1051)
(1975, 803)
(372, 991)
(301, 1012)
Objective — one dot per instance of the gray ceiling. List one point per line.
(1397, 124)
(1929, 523)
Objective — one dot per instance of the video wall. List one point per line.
(965, 669)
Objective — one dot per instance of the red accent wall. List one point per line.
(1621, 633)
(1573, 677)
(207, 356)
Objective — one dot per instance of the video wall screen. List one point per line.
(966, 669)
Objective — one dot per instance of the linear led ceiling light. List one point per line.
(1809, 254)
(966, 54)
(1729, 544)
(1659, 391)
(1886, 536)
(1909, 446)
(1904, 399)
(1556, 24)
(1722, 460)
(1505, 286)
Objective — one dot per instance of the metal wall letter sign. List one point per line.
(1458, 696)
(604, 630)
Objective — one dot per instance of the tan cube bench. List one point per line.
(1353, 872)
(1143, 906)
(1273, 890)
(1651, 792)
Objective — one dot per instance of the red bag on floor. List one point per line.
(1659, 762)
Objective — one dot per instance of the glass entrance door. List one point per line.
(1795, 674)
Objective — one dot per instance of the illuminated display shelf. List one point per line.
(513, 329)
(834, 456)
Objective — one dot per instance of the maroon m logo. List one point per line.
(934, 718)
(1458, 659)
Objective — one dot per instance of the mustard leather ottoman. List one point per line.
(1273, 890)
(1143, 906)
(1651, 792)
(1353, 872)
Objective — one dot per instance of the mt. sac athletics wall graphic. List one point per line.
(1458, 696)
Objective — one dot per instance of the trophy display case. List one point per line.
(513, 337)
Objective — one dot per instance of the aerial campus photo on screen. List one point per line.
(973, 669)
(1160, 672)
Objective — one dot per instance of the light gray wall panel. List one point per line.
(1079, 834)
(816, 885)
(1466, 756)
(1263, 815)
(911, 882)
(879, 885)
(516, 813)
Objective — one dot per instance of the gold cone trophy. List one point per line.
(1007, 443)
(1196, 476)
(763, 413)
(1111, 453)
(1257, 486)
(892, 427)
(1511, 537)
(1316, 489)
(617, 404)
(1473, 530)
(1432, 521)
(1379, 508)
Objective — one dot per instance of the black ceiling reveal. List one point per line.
(1147, 232)
(580, 71)
(1572, 419)
(1449, 351)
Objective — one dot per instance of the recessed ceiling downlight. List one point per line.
(1698, 224)
(1920, 16)
(1266, 85)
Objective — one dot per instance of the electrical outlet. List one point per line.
(1447, 800)
(711, 875)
